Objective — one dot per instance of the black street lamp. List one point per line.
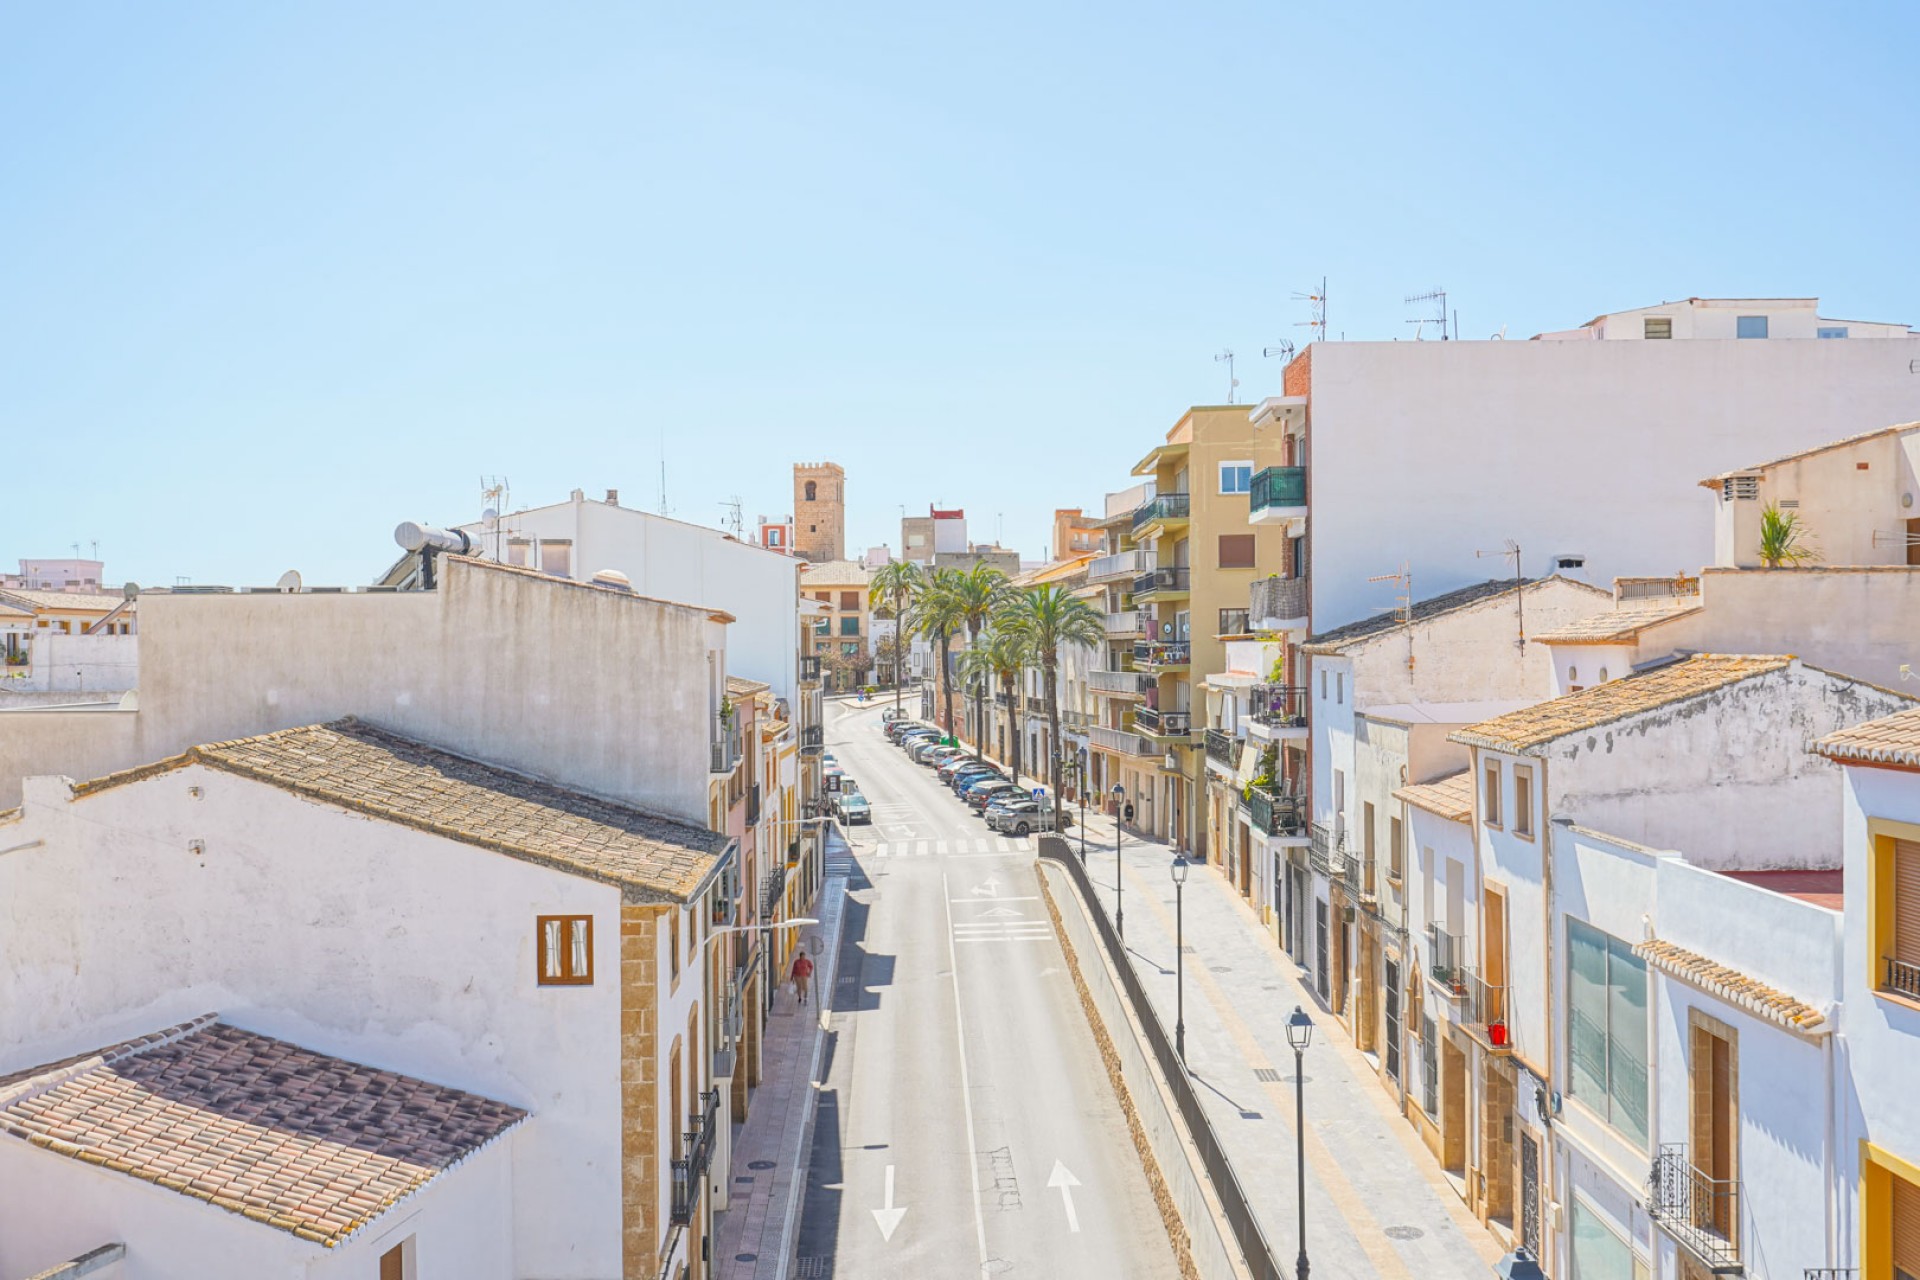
(1179, 870)
(1119, 905)
(1082, 789)
(1300, 1035)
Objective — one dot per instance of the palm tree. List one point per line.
(1049, 618)
(998, 659)
(1781, 536)
(977, 593)
(894, 584)
(936, 614)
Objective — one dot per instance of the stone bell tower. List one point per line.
(819, 511)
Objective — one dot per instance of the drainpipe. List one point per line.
(1826, 1154)
(1556, 826)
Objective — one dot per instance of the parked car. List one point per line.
(954, 764)
(933, 754)
(980, 794)
(972, 773)
(918, 733)
(852, 807)
(1029, 816)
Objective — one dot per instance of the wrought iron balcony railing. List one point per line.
(1281, 706)
(1274, 600)
(1275, 815)
(1447, 959)
(1168, 506)
(726, 744)
(690, 1171)
(810, 667)
(1700, 1212)
(812, 740)
(1163, 580)
(1278, 487)
(1222, 747)
(772, 886)
(1162, 653)
(1902, 978)
(1326, 849)
(1163, 724)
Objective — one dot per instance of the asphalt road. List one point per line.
(966, 1126)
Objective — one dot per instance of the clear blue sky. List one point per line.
(278, 276)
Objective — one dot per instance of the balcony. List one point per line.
(1128, 622)
(1167, 511)
(1111, 568)
(1701, 1213)
(1120, 742)
(1278, 604)
(1279, 494)
(1163, 584)
(1484, 1010)
(1327, 850)
(1447, 961)
(1223, 749)
(690, 1171)
(726, 745)
(812, 740)
(1162, 655)
(1279, 711)
(1163, 724)
(1003, 700)
(810, 669)
(1902, 979)
(1119, 684)
(773, 887)
(1275, 815)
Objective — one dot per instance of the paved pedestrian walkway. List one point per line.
(753, 1238)
(1377, 1202)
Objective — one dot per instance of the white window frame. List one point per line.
(1235, 465)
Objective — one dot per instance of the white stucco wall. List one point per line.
(1593, 448)
(1847, 502)
(78, 664)
(688, 563)
(593, 689)
(359, 938)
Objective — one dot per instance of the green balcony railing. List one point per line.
(1168, 506)
(1278, 487)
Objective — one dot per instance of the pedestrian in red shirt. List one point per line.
(802, 975)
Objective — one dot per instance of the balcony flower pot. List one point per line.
(1497, 1033)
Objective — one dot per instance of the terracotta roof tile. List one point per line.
(1340, 639)
(1891, 740)
(1451, 797)
(1621, 624)
(314, 1145)
(1734, 987)
(370, 770)
(1616, 700)
(1899, 428)
(61, 601)
(741, 687)
(835, 573)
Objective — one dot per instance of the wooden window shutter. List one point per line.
(1236, 551)
(1905, 943)
(1906, 1226)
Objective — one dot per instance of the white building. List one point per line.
(85, 576)
(1720, 319)
(406, 910)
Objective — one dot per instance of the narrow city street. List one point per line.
(966, 1125)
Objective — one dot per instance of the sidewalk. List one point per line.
(1377, 1202)
(753, 1238)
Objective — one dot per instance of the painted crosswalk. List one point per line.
(962, 847)
(1002, 931)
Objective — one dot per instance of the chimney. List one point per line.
(613, 497)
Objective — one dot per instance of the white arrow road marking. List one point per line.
(991, 889)
(889, 1217)
(1000, 913)
(1064, 1179)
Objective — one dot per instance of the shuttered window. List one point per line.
(1236, 551)
(1901, 951)
(1906, 1229)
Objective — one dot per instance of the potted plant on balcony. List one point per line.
(1497, 1033)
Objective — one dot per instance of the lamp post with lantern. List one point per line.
(1179, 870)
(1300, 1035)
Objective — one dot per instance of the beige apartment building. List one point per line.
(842, 630)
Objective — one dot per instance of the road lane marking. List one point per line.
(1065, 1181)
(966, 1088)
(976, 902)
(888, 1219)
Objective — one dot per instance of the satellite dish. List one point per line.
(490, 517)
(289, 581)
(130, 591)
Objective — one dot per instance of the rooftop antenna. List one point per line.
(1511, 551)
(494, 495)
(76, 551)
(1438, 297)
(733, 519)
(1402, 603)
(1233, 383)
(93, 547)
(664, 508)
(1318, 324)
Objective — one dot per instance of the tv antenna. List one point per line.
(1317, 326)
(664, 508)
(494, 496)
(1438, 297)
(1511, 551)
(1233, 383)
(1402, 603)
(733, 519)
(1282, 349)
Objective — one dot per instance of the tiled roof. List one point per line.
(1621, 624)
(1340, 639)
(1616, 700)
(523, 571)
(314, 1145)
(835, 573)
(60, 601)
(14, 610)
(1734, 987)
(1450, 797)
(741, 687)
(1713, 482)
(367, 769)
(1891, 740)
(1821, 887)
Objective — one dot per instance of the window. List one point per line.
(1830, 331)
(397, 1262)
(520, 553)
(556, 558)
(1658, 327)
(1568, 563)
(850, 600)
(1894, 909)
(673, 942)
(1523, 802)
(566, 950)
(1603, 675)
(1393, 1017)
(1741, 488)
(1323, 686)
(774, 536)
(1599, 1252)
(813, 491)
(849, 626)
(1236, 477)
(1340, 687)
(1429, 1068)
(1490, 796)
(1236, 551)
(1607, 1029)
(1233, 622)
(850, 650)
(1396, 849)
(1750, 327)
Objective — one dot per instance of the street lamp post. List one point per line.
(1179, 870)
(1299, 1035)
(1119, 905)
(1082, 789)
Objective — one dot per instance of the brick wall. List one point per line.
(1298, 377)
(640, 1142)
